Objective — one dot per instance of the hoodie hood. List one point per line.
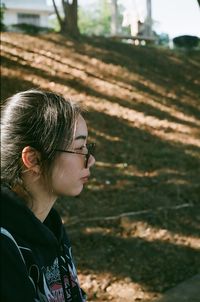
(44, 249)
(18, 219)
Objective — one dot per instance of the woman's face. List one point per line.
(69, 173)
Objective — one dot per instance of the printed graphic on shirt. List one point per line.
(72, 266)
(54, 289)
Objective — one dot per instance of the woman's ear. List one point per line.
(31, 159)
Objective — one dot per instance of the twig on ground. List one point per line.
(76, 220)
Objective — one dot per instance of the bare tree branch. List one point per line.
(57, 13)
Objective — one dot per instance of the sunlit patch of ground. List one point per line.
(135, 229)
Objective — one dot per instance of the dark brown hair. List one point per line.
(43, 120)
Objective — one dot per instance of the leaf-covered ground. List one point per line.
(135, 229)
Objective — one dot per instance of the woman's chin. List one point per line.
(73, 192)
(76, 192)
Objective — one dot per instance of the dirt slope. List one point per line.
(135, 229)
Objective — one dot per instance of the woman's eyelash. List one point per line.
(81, 148)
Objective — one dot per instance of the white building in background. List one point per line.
(139, 17)
(133, 15)
(34, 12)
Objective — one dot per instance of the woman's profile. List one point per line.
(44, 155)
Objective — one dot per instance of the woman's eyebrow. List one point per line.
(84, 137)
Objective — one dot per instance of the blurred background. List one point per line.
(135, 66)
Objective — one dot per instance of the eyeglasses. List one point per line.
(90, 151)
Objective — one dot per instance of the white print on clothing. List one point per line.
(48, 294)
(52, 273)
(54, 289)
(72, 268)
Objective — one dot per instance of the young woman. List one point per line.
(44, 156)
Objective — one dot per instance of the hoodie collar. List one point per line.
(22, 223)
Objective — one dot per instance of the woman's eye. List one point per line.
(80, 148)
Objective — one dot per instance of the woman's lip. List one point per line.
(84, 179)
(86, 176)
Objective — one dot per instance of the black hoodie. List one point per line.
(36, 259)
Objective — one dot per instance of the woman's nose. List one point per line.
(91, 161)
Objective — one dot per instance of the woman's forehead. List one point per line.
(81, 131)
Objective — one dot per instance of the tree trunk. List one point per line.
(69, 23)
(198, 2)
(114, 17)
(148, 21)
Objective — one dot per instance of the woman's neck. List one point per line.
(42, 202)
(37, 200)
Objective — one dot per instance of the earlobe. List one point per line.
(30, 159)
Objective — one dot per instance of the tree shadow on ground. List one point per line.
(131, 58)
(142, 261)
(71, 81)
(13, 86)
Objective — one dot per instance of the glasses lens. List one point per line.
(91, 150)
